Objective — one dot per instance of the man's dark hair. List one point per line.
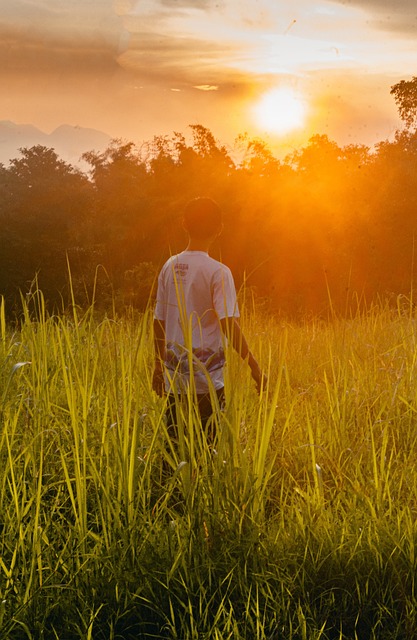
(202, 217)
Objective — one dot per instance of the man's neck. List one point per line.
(195, 244)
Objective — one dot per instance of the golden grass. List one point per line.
(302, 526)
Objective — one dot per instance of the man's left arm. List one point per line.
(234, 334)
(158, 382)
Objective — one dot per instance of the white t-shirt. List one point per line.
(194, 293)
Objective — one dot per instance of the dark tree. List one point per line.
(405, 96)
(45, 204)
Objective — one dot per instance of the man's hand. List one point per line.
(260, 378)
(158, 381)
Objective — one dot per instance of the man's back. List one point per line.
(194, 293)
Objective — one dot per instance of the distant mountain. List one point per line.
(69, 142)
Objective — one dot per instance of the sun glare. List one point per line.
(280, 111)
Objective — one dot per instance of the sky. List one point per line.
(139, 68)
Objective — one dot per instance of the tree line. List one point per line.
(328, 226)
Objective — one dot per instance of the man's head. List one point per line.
(202, 218)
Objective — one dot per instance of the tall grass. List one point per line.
(302, 526)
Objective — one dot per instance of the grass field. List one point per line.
(303, 526)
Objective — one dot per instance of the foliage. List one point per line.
(405, 96)
(326, 222)
(302, 526)
(43, 210)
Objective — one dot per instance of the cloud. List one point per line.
(199, 4)
(207, 87)
(38, 35)
(211, 42)
(161, 59)
(79, 18)
(398, 17)
(189, 43)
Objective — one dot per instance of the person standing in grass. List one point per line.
(196, 309)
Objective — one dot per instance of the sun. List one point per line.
(280, 111)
